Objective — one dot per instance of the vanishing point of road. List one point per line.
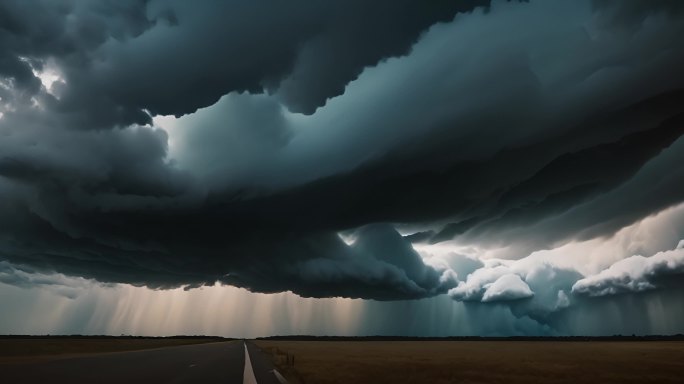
(221, 362)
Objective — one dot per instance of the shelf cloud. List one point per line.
(314, 147)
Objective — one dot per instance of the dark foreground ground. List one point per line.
(40, 347)
(479, 361)
(154, 361)
(191, 360)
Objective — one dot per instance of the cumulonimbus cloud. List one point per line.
(538, 288)
(512, 136)
(633, 274)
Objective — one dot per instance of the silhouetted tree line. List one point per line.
(677, 337)
(98, 337)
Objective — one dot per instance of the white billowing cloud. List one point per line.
(542, 282)
(507, 287)
(548, 283)
(473, 288)
(553, 279)
(633, 274)
(656, 233)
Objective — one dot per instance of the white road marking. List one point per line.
(248, 374)
(279, 377)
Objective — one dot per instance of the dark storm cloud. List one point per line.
(29, 278)
(380, 264)
(69, 31)
(124, 59)
(580, 177)
(304, 52)
(536, 135)
(630, 12)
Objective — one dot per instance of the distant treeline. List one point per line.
(99, 337)
(677, 337)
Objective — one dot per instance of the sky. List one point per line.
(393, 167)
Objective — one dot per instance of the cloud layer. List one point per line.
(162, 144)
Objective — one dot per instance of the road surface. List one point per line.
(222, 362)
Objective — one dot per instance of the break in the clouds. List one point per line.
(318, 147)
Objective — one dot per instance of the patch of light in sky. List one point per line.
(348, 239)
(169, 124)
(48, 76)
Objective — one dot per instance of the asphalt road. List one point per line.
(262, 366)
(222, 362)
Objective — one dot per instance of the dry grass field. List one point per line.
(38, 348)
(436, 362)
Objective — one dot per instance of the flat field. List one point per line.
(361, 362)
(16, 349)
